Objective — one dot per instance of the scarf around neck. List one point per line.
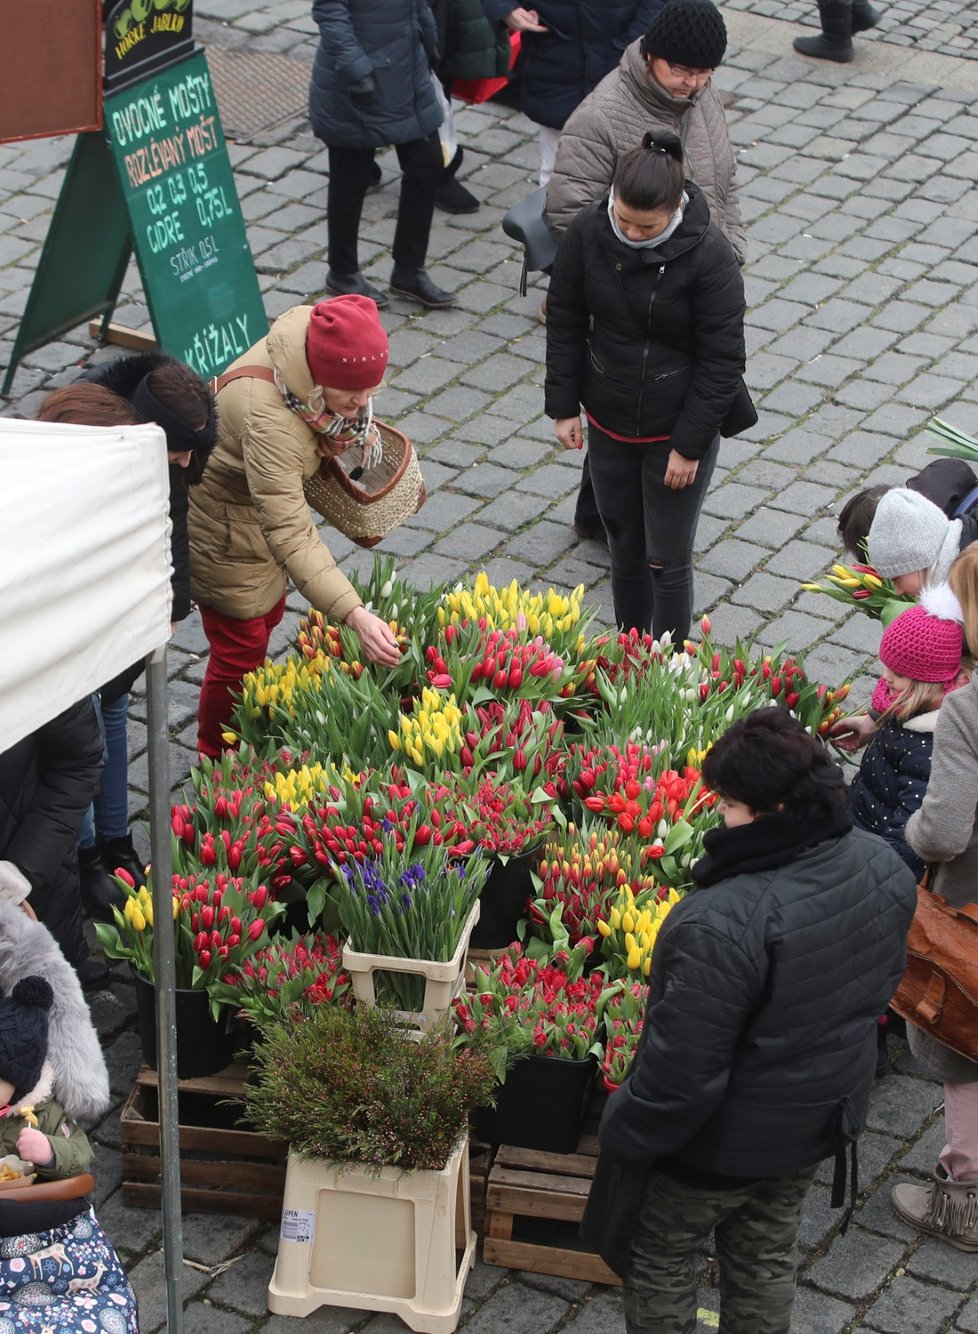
(359, 433)
(771, 841)
(652, 241)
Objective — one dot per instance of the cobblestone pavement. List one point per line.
(859, 190)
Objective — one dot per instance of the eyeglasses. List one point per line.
(684, 72)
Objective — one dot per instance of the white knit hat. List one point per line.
(908, 533)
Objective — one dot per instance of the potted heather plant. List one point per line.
(376, 1189)
(540, 1018)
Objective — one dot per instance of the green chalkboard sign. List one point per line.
(187, 229)
(159, 182)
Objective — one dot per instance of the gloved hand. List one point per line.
(363, 93)
(14, 885)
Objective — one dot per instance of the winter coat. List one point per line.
(392, 41)
(613, 119)
(250, 525)
(945, 831)
(585, 39)
(47, 782)
(892, 780)
(664, 353)
(81, 1081)
(72, 1151)
(469, 45)
(763, 995)
(947, 483)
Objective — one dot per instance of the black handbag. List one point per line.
(525, 222)
(741, 415)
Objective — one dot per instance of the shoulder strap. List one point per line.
(242, 373)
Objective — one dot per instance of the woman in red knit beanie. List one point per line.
(300, 394)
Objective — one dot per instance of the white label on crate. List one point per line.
(298, 1225)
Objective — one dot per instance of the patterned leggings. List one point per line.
(755, 1225)
(67, 1280)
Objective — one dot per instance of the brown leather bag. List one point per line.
(939, 991)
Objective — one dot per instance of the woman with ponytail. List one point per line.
(645, 337)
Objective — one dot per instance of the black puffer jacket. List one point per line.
(390, 40)
(892, 780)
(584, 41)
(764, 992)
(47, 782)
(650, 341)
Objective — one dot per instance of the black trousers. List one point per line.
(422, 164)
(651, 530)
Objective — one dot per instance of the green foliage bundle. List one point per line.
(352, 1086)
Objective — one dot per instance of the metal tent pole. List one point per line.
(164, 970)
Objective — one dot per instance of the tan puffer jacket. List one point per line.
(250, 525)
(611, 120)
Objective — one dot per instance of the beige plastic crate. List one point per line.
(393, 1241)
(443, 981)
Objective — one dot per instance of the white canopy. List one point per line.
(84, 562)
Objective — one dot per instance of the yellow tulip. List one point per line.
(634, 960)
(603, 929)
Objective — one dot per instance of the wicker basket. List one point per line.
(366, 504)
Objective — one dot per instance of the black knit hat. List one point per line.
(24, 1034)
(687, 32)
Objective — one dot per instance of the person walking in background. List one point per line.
(758, 1049)
(469, 49)
(662, 83)
(372, 87)
(945, 831)
(645, 332)
(839, 20)
(568, 47)
(300, 394)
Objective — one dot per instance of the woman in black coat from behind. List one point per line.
(645, 333)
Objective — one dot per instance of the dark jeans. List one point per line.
(755, 1228)
(651, 530)
(422, 164)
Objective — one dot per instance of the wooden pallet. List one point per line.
(534, 1203)
(223, 1168)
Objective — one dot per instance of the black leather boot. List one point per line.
(834, 42)
(417, 286)
(99, 892)
(120, 851)
(354, 284)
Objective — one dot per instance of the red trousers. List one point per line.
(237, 646)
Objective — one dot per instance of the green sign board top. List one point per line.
(188, 232)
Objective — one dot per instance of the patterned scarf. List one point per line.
(359, 433)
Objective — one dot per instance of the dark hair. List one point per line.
(857, 517)
(86, 404)
(653, 176)
(769, 761)
(188, 398)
